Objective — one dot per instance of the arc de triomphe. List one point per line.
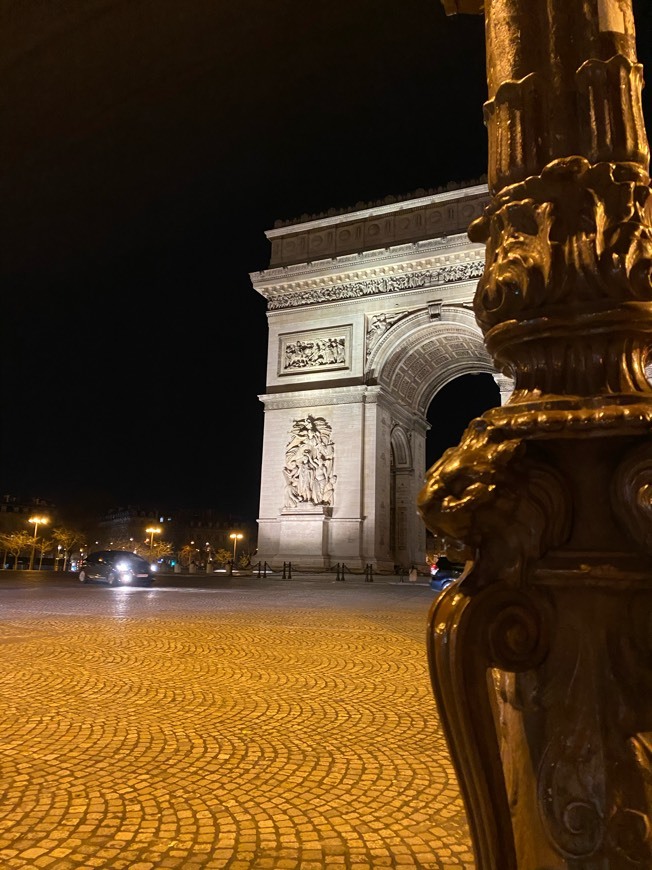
(369, 314)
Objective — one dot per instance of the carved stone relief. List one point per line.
(313, 351)
(377, 326)
(308, 469)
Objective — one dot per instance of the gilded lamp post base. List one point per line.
(540, 654)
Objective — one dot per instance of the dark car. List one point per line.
(117, 568)
(444, 572)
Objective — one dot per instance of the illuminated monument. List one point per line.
(370, 315)
(541, 655)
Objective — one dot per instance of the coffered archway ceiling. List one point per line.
(418, 373)
(419, 356)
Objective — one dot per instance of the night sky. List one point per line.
(146, 147)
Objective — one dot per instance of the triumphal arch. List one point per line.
(370, 314)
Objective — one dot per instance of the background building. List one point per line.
(206, 530)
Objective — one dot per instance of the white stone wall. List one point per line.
(343, 521)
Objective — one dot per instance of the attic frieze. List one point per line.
(312, 292)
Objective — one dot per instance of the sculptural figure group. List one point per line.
(308, 468)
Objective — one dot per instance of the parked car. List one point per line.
(443, 572)
(117, 568)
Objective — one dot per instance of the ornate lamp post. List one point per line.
(540, 654)
(38, 521)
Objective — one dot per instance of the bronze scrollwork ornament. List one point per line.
(541, 653)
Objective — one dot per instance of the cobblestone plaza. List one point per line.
(240, 724)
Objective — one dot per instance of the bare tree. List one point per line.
(15, 544)
(67, 539)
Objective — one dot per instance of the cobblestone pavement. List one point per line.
(248, 724)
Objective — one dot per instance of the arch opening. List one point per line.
(453, 407)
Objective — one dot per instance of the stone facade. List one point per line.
(370, 314)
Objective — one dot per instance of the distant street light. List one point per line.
(151, 531)
(38, 521)
(235, 537)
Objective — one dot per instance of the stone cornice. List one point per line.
(368, 395)
(455, 194)
(378, 229)
(400, 255)
(319, 398)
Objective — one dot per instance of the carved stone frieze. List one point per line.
(464, 271)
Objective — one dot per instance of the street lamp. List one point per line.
(235, 537)
(38, 521)
(151, 531)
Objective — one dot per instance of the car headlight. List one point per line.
(153, 567)
(123, 567)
